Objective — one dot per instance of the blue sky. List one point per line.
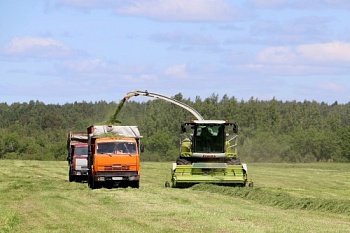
(62, 51)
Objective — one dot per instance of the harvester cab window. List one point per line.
(209, 138)
(205, 139)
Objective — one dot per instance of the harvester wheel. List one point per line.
(173, 184)
(182, 161)
(233, 161)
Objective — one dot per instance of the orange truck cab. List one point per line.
(77, 148)
(114, 156)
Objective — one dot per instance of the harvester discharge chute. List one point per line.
(208, 150)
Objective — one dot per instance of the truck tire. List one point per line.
(70, 175)
(95, 184)
(89, 180)
(135, 184)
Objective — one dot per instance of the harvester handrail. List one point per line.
(232, 138)
(234, 145)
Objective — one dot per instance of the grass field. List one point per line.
(35, 196)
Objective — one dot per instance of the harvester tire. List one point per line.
(182, 161)
(233, 161)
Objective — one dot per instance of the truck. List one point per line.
(208, 150)
(77, 149)
(114, 156)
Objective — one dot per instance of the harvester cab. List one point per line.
(207, 139)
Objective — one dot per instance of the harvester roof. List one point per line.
(209, 121)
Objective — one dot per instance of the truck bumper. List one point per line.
(80, 172)
(116, 176)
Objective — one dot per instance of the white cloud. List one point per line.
(298, 4)
(86, 66)
(179, 71)
(277, 55)
(194, 10)
(97, 69)
(185, 39)
(268, 3)
(36, 47)
(333, 87)
(326, 53)
(333, 53)
(86, 4)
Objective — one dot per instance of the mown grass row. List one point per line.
(36, 196)
(279, 199)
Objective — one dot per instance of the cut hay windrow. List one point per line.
(279, 199)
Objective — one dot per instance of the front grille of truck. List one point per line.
(117, 167)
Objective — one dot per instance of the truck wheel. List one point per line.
(94, 184)
(135, 184)
(89, 179)
(71, 177)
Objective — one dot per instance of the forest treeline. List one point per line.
(269, 131)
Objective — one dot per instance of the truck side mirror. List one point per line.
(142, 148)
(235, 128)
(183, 129)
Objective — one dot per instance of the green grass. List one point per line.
(35, 196)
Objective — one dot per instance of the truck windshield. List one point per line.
(116, 148)
(81, 151)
